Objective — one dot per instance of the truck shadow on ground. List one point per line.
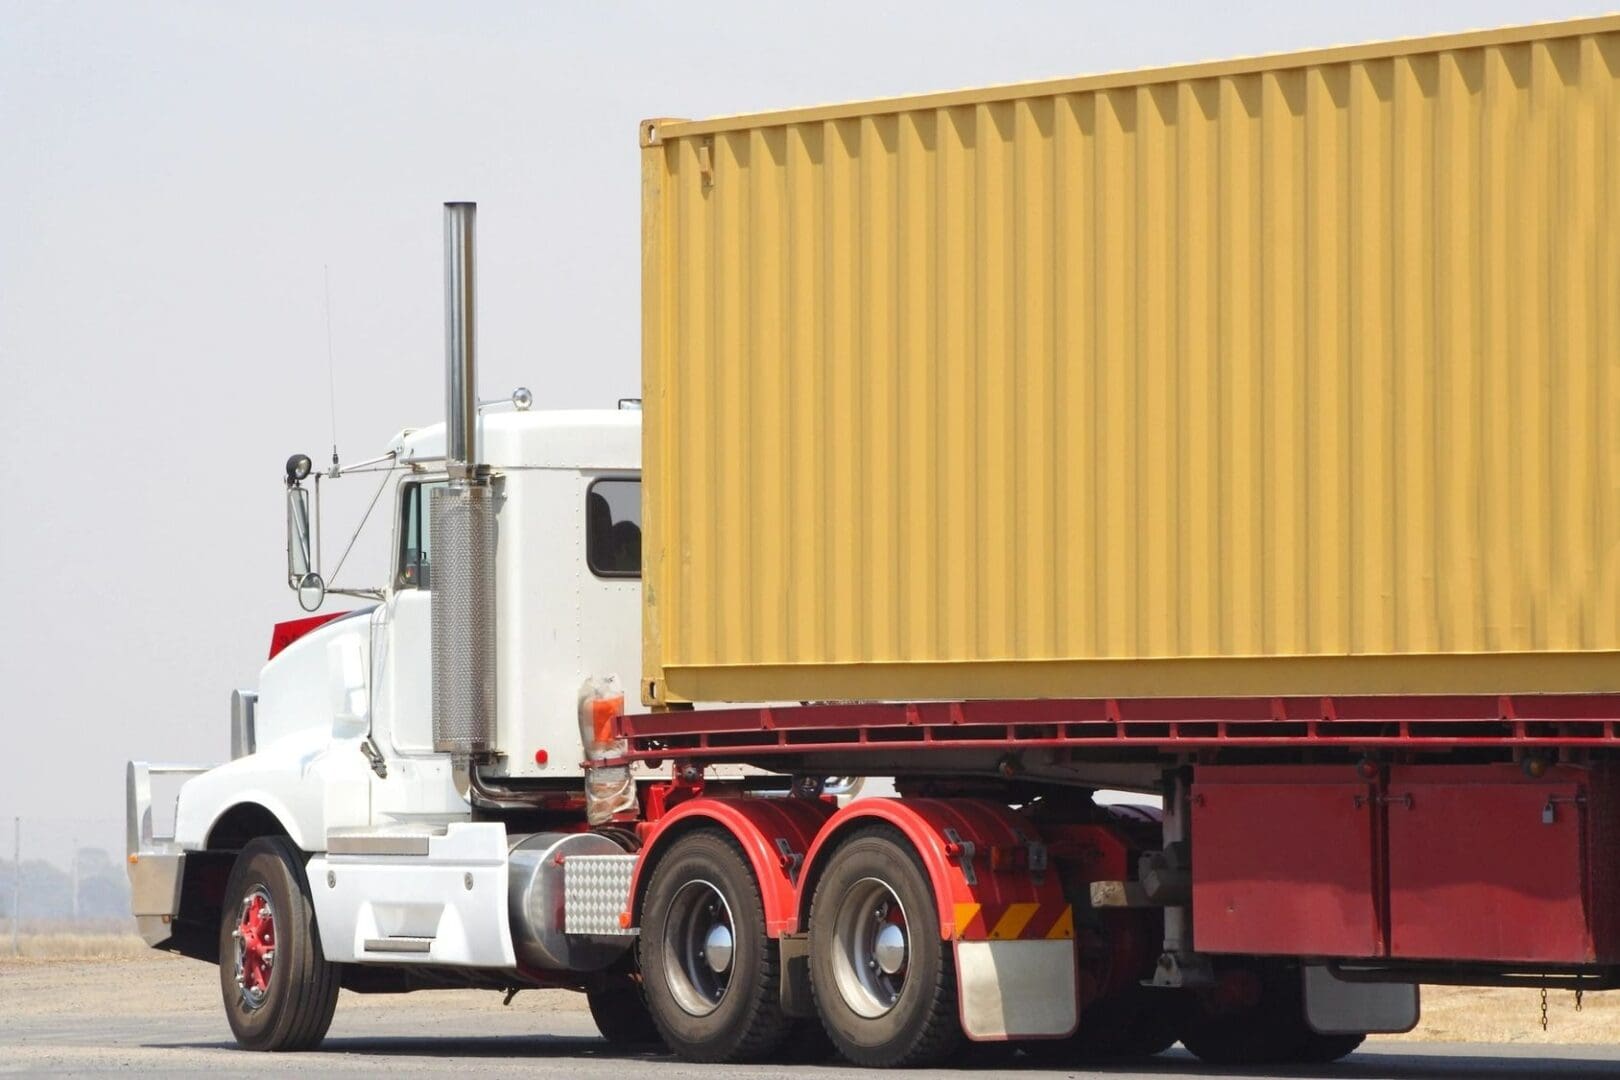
(1384, 1065)
(1387, 1065)
(515, 1047)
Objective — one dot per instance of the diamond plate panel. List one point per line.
(596, 888)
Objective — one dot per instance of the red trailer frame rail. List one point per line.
(1167, 724)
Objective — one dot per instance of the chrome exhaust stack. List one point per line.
(460, 340)
(462, 525)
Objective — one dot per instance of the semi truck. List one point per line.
(1240, 434)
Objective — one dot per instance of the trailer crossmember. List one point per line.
(1546, 721)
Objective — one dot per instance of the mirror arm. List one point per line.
(359, 594)
(315, 554)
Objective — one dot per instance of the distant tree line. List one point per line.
(47, 890)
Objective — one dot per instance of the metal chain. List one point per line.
(1543, 1008)
(1578, 993)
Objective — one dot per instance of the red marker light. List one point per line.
(541, 757)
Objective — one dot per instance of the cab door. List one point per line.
(418, 784)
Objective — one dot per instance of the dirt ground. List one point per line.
(112, 1006)
(74, 973)
(99, 983)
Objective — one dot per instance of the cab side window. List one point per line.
(414, 562)
(613, 528)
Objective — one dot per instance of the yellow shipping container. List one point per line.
(1289, 375)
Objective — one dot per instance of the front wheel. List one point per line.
(279, 991)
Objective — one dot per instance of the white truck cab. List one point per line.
(340, 726)
(407, 775)
(357, 690)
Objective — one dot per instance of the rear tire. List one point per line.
(884, 982)
(1322, 1049)
(702, 898)
(1268, 1031)
(268, 940)
(622, 1016)
(1134, 1023)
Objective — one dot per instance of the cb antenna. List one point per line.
(331, 367)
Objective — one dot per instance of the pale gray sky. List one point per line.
(174, 177)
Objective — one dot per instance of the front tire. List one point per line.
(709, 972)
(278, 989)
(884, 981)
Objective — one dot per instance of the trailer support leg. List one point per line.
(1179, 965)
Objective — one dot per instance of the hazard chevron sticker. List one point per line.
(1021, 921)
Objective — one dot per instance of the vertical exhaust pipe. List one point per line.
(462, 527)
(460, 340)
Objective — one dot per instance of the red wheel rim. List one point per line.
(255, 936)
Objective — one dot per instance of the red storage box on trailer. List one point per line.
(1469, 862)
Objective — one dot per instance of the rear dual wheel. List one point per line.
(621, 1015)
(1133, 1023)
(884, 983)
(1263, 1025)
(709, 972)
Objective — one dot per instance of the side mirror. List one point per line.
(300, 552)
(311, 592)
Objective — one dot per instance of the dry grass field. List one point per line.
(1492, 1015)
(55, 945)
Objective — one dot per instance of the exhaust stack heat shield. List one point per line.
(463, 584)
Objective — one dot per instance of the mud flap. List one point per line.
(1334, 1006)
(794, 993)
(1017, 989)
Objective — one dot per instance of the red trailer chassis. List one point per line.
(1402, 851)
(1334, 840)
(1173, 725)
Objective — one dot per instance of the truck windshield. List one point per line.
(613, 528)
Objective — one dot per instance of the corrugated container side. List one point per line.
(1297, 375)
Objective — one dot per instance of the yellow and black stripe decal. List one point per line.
(1022, 921)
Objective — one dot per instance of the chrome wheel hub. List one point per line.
(255, 937)
(889, 949)
(698, 947)
(871, 948)
(717, 949)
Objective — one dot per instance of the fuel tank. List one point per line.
(536, 904)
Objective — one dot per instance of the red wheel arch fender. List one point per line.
(988, 896)
(775, 835)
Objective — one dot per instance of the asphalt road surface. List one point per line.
(163, 1017)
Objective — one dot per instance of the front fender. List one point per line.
(311, 782)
